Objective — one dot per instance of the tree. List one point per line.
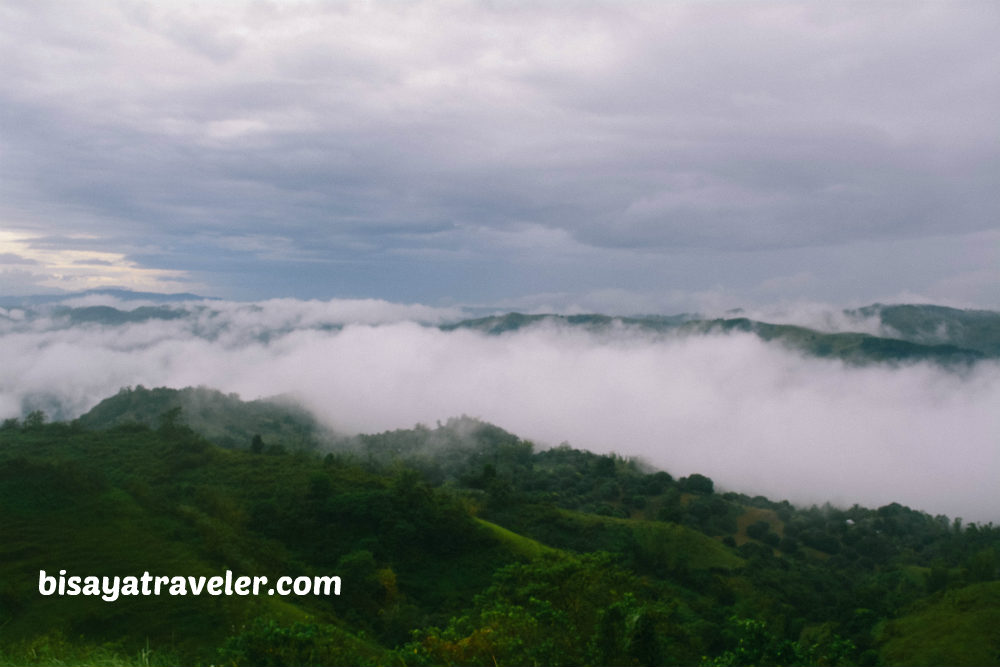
(758, 529)
(170, 420)
(982, 566)
(696, 483)
(34, 421)
(754, 644)
(604, 466)
(645, 645)
(937, 578)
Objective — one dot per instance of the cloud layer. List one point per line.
(476, 151)
(754, 417)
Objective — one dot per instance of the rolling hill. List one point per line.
(461, 544)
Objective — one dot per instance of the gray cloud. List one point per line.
(360, 133)
(753, 416)
(17, 281)
(13, 258)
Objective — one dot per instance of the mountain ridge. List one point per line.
(850, 346)
(907, 333)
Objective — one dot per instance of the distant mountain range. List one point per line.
(904, 333)
(910, 333)
(977, 330)
(123, 294)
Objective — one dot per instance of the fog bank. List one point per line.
(755, 417)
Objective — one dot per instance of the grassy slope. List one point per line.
(130, 500)
(752, 515)
(519, 544)
(663, 547)
(956, 627)
(66, 506)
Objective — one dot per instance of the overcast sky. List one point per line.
(618, 156)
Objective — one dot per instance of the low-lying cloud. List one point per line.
(754, 416)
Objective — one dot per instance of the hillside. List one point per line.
(222, 418)
(166, 501)
(955, 341)
(955, 627)
(461, 544)
(977, 330)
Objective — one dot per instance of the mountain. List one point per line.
(857, 348)
(115, 317)
(30, 300)
(221, 418)
(906, 333)
(977, 330)
(960, 337)
(460, 544)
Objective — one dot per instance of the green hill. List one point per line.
(958, 627)
(964, 337)
(222, 418)
(460, 544)
(977, 330)
(131, 500)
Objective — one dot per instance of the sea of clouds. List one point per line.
(754, 416)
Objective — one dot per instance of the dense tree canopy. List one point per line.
(462, 544)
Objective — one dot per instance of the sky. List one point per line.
(603, 156)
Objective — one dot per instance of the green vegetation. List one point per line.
(460, 545)
(977, 330)
(519, 544)
(955, 627)
(222, 418)
(913, 333)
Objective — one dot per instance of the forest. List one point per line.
(457, 544)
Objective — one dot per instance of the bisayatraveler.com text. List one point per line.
(110, 589)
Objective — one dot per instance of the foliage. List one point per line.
(55, 649)
(266, 643)
(957, 627)
(912, 333)
(222, 418)
(459, 544)
(752, 643)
